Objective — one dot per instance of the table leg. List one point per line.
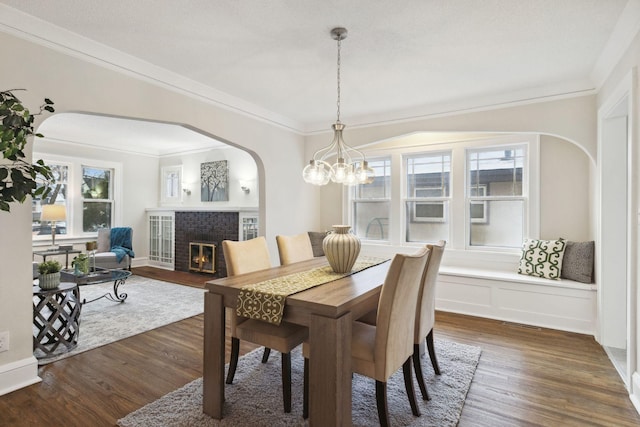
(213, 363)
(330, 371)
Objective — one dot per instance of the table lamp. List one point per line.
(53, 213)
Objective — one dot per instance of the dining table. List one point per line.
(328, 310)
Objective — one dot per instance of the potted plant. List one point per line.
(49, 274)
(80, 264)
(17, 176)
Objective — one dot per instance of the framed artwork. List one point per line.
(214, 181)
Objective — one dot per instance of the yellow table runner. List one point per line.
(265, 300)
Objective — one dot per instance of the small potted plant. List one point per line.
(80, 264)
(49, 274)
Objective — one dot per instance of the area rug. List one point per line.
(255, 397)
(149, 305)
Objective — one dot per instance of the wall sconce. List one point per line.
(245, 189)
(187, 191)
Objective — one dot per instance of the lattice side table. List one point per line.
(56, 318)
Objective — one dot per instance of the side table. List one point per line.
(52, 252)
(56, 317)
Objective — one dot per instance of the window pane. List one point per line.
(498, 170)
(96, 183)
(57, 195)
(427, 221)
(428, 175)
(380, 188)
(95, 215)
(497, 223)
(371, 220)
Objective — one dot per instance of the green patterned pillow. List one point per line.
(542, 258)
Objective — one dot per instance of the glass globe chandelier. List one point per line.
(349, 165)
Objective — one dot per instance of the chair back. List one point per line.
(395, 320)
(425, 314)
(294, 248)
(246, 256)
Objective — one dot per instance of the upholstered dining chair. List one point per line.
(377, 351)
(426, 314)
(245, 257)
(294, 248)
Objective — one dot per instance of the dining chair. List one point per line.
(426, 314)
(377, 351)
(294, 248)
(245, 257)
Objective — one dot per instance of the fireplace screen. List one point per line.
(202, 257)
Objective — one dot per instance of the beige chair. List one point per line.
(245, 257)
(294, 248)
(379, 351)
(425, 314)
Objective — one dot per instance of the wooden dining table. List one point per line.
(327, 310)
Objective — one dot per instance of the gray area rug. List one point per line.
(150, 304)
(252, 401)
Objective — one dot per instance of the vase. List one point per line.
(341, 248)
(49, 280)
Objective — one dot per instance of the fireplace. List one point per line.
(204, 228)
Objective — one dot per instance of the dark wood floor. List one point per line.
(526, 376)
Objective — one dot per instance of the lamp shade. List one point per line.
(53, 213)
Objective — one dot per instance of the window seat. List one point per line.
(506, 295)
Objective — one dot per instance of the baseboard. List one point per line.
(18, 374)
(634, 395)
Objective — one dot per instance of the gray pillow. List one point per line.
(104, 240)
(577, 263)
(316, 238)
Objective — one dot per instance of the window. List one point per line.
(97, 198)
(171, 184)
(478, 193)
(58, 195)
(371, 202)
(495, 198)
(428, 189)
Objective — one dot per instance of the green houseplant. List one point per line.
(49, 274)
(17, 176)
(80, 264)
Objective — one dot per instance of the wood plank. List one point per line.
(526, 376)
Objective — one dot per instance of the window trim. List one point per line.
(457, 235)
(74, 206)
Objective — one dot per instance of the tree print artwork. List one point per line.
(214, 181)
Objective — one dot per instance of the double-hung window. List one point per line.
(58, 195)
(97, 198)
(495, 196)
(428, 183)
(371, 203)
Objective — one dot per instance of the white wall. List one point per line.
(241, 166)
(76, 85)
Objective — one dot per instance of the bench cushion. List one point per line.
(577, 263)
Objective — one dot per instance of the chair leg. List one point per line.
(417, 366)
(286, 381)
(265, 355)
(233, 363)
(432, 353)
(305, 390)
(408, 384)
(381, 403)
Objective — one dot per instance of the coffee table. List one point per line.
(99, 275)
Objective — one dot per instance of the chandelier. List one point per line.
(349, 166)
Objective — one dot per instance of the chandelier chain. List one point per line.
(338, 101)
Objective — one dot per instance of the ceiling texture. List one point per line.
(275, 60)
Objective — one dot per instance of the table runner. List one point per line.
(265, 300)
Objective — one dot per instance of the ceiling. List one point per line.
(404, 59)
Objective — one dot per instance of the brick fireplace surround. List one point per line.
(204, 227)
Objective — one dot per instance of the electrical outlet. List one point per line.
(4, 341)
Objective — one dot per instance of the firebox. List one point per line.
(202, 257)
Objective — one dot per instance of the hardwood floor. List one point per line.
(526, 376)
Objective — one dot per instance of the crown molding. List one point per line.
(35, 30)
